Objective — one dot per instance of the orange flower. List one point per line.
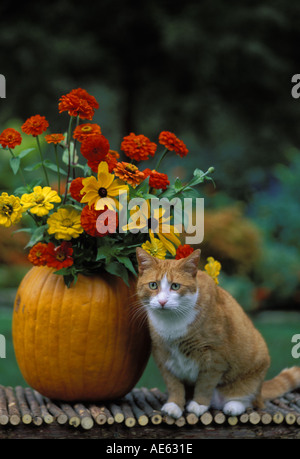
(75, 188)
(35, 125)
(10, 138)
(183, 251)
(84, 130)
(138, 147)
(91, 221)
(172, 143)
(75, 107)
(84, 95)
(54, 138)
(38, 254)
(60, 257)
(129, 173)
(78, 102)
(157, 180)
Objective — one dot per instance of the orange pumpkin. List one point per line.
(78, 343)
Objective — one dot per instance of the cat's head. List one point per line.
(167, 285)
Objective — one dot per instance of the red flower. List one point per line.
(60, 257)
(10, 138)
(35, 125)
(157, 180)
(38, 254)
(183, 251)
(78, 102)
(172, 143)
(54, 138)
(95, 149)
(75, 188)
(138, 147)
(97, 226)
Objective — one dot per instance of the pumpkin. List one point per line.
(79, 343)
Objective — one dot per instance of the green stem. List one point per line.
(69, 157)
(58, 172)
(74, 151)
(42, 159)
(161, 158)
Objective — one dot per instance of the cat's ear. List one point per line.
(144, 259)
(190, 263)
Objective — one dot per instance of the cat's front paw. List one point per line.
(171, 409)
(234, 408)
(194, 407)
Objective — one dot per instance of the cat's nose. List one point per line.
(162, 302)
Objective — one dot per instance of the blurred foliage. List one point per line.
(217, 74)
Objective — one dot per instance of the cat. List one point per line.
(203, 342)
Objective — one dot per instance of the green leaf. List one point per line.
(178, 184)
(15, 164)
(25, 152)
(37, 236)
(53, 167)
(127, 263)
(34, 167)
(117, 269)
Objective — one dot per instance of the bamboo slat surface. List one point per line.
(141, 407)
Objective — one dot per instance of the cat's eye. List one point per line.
(153, 285)
(175, 286)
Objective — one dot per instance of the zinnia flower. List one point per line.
(103, 191)
(65, 223)
(78, 102)
(213, 268)
(138, 147)
(172, 143)
(40, 201)
(91, 221)
(85, 130)
(61, 256)
(129, 173)
(35, 125)
(83, 94)
(183, 251)
(141, 217)
(75, 188)
(157, 180)
(11, 210)
(155, 248)
(38, 254)
(10, 138)
(95, 148)
(54, 138)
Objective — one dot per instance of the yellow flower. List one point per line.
(65, 223)
(213, 268)
(103, 191)
(155, 248)
(40, 201)
(10, 210)
(157, 223)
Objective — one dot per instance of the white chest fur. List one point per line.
(182, 367)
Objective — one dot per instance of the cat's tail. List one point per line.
(287, 380)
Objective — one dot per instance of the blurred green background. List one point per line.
(218, 74)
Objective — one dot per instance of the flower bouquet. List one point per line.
(101, 206)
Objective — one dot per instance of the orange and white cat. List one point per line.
(204, 341)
